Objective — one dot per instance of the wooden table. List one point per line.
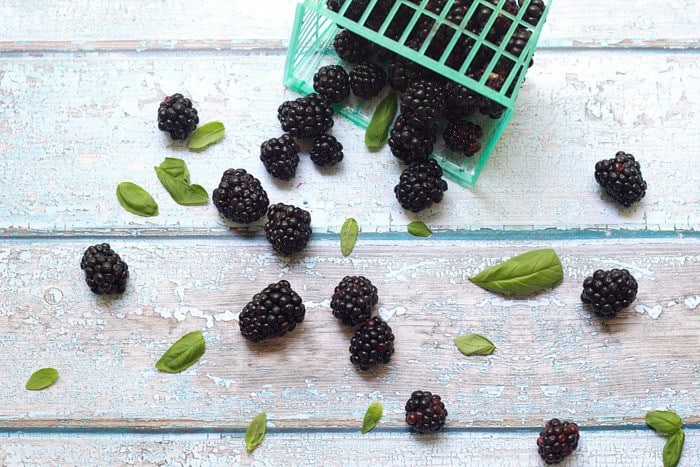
(80, 82)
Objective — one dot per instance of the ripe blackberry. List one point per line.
(367, 80)
(622, 178)
(288, 228)
(326, 151)
(105, 272)
(353, 300)
(492, 109)
(460, 101)
(332, 82)
(518, 41)
(177, 116)
(350, 47)
(373, 343)
(280, 156)
(463, 137)
(306, 117)
(240, 197)
(273, 312)
(557, 441)
(402, 71)
(427, 94)
(411, 138)
(534, 12)
(420, 186)
(609, 291)
(425, 412)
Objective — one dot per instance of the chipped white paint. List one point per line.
(653, 311)
(692, 302)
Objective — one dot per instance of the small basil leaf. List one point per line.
(348, 236)
(419, 229)
(523, 274)
(372, 416)
(255, 432)
(42, 379)
(663, 421)
(182, 193)
(673, 449)
(207, 134)
(474, 344)
(376, 134)
(175, 168)
(136, 200)
(182, 354)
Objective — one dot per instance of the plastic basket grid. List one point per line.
(315, 26)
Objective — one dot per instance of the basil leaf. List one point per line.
(182, 354)
(673, 449)
(136, 200)
(523, 274)
(419, 229)
(376, 134)
(207, 134)
(372, 416)
(182, 192)
(663, 421)
(41, 379)
(474, 344)
(176, 168)
(255, 432)
(348, 236)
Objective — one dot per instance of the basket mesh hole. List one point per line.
(420, 32)
(379, 14)
(399, 22)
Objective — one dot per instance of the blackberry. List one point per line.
(425, 412)
(367, 80)
(105, 272)
(492, 109)
(280, 156)
(420, 186)
(463, 137)
(427, 94)
(609, 291)
(460, 101)
(557, 441)
(353, 300)
(305, 117)
(177, 116)
(288, 228)
(326, 151)
(273, 312)
(373, 343)
(332, 82)
(401, 71)
(622, 178)
(534, 12)
(411, 138)
(350, 47)
(518, 41)
(354, 10)
(240, 197)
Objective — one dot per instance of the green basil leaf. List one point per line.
(663, 421)
(474, 344)
(182, 354)
(419, 229)
(207, 134)
(42, 379)
(182, 192)
(673, 449)
(372, 416)
(348, 236)
(523, 274)
(255, 432)
(376, 134)
(176, 168)
(136, 200)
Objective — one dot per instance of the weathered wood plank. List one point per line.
(73, 127)
(550, 351)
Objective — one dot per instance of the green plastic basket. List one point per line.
(315, 27)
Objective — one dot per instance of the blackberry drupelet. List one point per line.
(306, 117)
(372, 344)
(460, 101)
(411, 138)
(354, 299)
(280, 156)
(273, 312)
(367, 80)
(425, 412)
(557, 441)
(463, 137)
(426, 94)
(177, 116)
(401, 71)
(622, 178)
(240, 197)
(332, 82)
(420, 186)
(350, 47)
(105, 272)
(609, 291)
(326, 151)
(288, 228)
